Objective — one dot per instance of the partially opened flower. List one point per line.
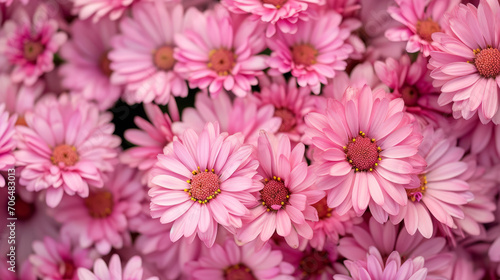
(132, 271)
(202, 181)
(7, 143)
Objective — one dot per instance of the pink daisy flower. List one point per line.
(375, 267)
(142, 57)
(101, 219)
(277, 14)
(86, 56)
(441, 191)
(30, 44)
(7, 143)
(366, 149)
(467, 64)
(59, 259)
(314, 53)
(242, 115)
(286, 193)
(150, 139)
(232, 262)
(202, 181)
(66, 146)
(228, 59)
(421, 19)
(19, 98)
(132, 271)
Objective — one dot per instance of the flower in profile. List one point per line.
(86, 57)
(421, 19)
(375, 267)
(314, 53)
(467, 63)
(202, 181)
(59, 259)
(101, 219)
(232, 262)
(286, 193)
(29, 41)
(7, 143)
(132, 271)
(147, 72)
(366, 149)
(65, 147)
(228, 59)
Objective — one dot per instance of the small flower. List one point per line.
(132, 271)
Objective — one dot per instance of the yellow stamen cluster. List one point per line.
(210, 197)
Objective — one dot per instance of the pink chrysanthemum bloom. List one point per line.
(238, 115)
(420, 19)
(202, 181)
(142, 57)
(233, 262)
(290, 103)
(314, 53)
(132, 271)
(388, 238)
(286, 193)
(277, 14)
(150, 139)
(101, 219)
(467, 64)
(7, 143)
(66, 145)
(59, 259)
(365, 150)
(29, 42)
(86, 56)
(375, 267)
(227, 59)
(441, 191)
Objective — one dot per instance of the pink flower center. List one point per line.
(99, 204)
(487, 62)
(416, 194)
(425, 28)
(274, 194)
(205, 186)
(410, 96)
(238, 272)
(277, 3)
(314, 263)
(163, 58)
(32, 50)
(362, 153)
(64, 154)
(221, 61)
(67, 269)
(24, 210)
(104, 63)
(21, 121)
(323, 210)
(304, 54)
(288, 120)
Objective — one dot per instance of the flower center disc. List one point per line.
(21, 121)
(67, 269)
(288, 120)
(314, 263)
(32, 50)
(99, 204)
(65, 154)
(221, 61)
(24, 210)
(362, 153)
(238, 272)
(410, 96)
(277, 3)
(425, 28)
(418, 193)
(163, 58)
(104, 63)
(304, 54)
(487, 62)
(323, 210)
(274, 194)
(204, 186)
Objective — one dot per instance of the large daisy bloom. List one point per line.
(420, 20)
(29, 42)
(232, 262)
(202, 181)
(227, 59)
(467, 64)
(365, 151)
(7, 143)
(86, 56)
(66, 147)
(286, 193)
(142, 58)
(132, 271)
(314, 53)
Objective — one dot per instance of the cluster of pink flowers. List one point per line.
(249, 139)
